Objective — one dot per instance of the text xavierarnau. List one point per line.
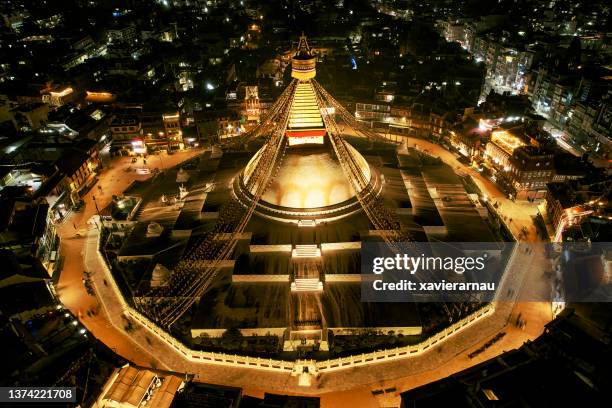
(405, 285)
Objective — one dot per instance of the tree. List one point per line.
(232, 336)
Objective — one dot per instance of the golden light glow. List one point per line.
(63, 92)
(100, 96)
(170, 116)
(507, 141)
(309, 179)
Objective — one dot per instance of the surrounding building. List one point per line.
(523, 161)
(127, 134)
(79, 170)
(562, 366)
(569, 203)
(58, 95)
(131, 387)
(172, 130)
(31, 116)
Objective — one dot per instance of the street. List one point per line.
(113, 180)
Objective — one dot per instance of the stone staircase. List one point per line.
(307, 285)
(307, 266)
(306, 251)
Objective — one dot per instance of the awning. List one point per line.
(156, 142)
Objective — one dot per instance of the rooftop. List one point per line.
(133, 386)
(71, 160)
(506, 140)
(578, 192)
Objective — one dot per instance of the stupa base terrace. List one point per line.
(291, 286)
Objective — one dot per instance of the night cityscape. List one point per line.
(305, 203)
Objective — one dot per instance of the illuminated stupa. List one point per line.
(310, 184)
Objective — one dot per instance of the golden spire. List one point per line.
(303, 49)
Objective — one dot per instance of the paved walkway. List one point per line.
(113, 180)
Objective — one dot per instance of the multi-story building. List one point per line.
(507, 73)
(252, 104)
(467, 143)
(416, 120)
(58, 96)
(577, 103)
(229, 126)
(90, 123)
(529, 169)
(31, 116)
(507, 61)
(524, 163)
(126, 34)
(26, 227)
(440, 123)
(172, 130)
(372, 112)
(552, 95)
(79, 170)
(127, 134)
(454, 31)
(567, 204)
(590, 125)
(468, 137)
(501, 147)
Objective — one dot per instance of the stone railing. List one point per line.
(341, 246)
(406, 351)
(260, 278)
(267, 249)
(294, 368)
(210, 357)
(342, 277)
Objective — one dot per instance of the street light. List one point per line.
(97, 210)
(161, 162)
